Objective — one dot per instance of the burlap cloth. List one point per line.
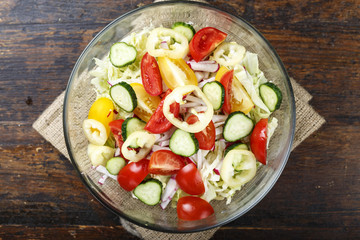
(50, 126)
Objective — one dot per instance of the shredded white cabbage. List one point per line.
(272, 125)
(247, 81)
(106, 75)
(251, 63)
(258, 113)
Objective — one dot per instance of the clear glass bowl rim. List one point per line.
(94, 40)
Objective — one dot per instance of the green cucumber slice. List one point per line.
(236, 146)
(183, 143)
(185, 29)
(215, 93)
(122, 54)
(271, 95)
(124, 96)
(114, 165)
(237, 126)
(149, 192)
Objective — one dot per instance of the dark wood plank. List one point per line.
(38, 183)
(67, 232)
(35, 12)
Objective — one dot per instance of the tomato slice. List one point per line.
(226, 81)
(175, 72)
(115, 127)
(258, 140)
(192, 208)
(165, 162)
(158, 123)
(147, 104)
(240, 99)
(205, 41)
(190, 181)
(133, 174)
(150, 75)
(206, 137)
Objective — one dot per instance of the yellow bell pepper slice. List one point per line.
(238, 168)
(177, 43)
(176, 96)
(142, 139)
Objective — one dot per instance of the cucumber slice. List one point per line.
(122, 54)
(131, 125)
(149, 192)
(271, 95)
(124, 96)
(236, 146)
(183, 143)
(114, 165)
(185, 29)
(215, 93)
(237, 126)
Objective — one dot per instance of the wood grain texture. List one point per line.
(316, 197)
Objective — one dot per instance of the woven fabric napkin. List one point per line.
(50, 126)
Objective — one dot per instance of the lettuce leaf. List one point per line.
(251, 63)
(106, 74)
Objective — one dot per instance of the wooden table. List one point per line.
(318, 194)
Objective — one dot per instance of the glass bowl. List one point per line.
(80, 95)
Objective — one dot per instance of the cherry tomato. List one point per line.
(147, 104)
(245, 104)
(102, 111)
(133, 174)
(226, 81)
(258, 140)
(206, 137)
(192, 208)
(190, 181)
(175, 72)
(205, 41)
(165, 162)
(158, 123)
(115, 127)
(150, 75)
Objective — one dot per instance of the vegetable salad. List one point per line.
(181, 117)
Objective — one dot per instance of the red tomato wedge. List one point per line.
(226, 81)
(192, 208)
(258, 140)
(150, 75)
(133, 174)
(206, 137)
(190, 181)
(165, 162)
(158, 123)
(204, 42)
(115, 128)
